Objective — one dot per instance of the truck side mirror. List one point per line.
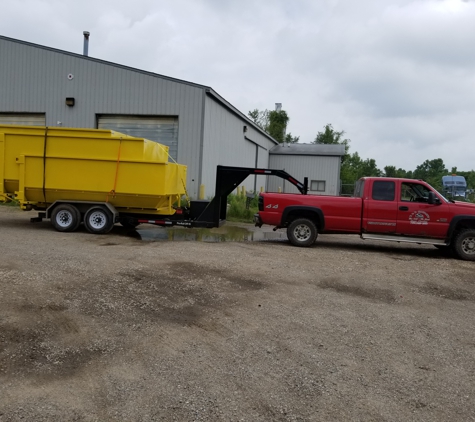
(432, 199)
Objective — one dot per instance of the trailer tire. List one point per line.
(464, 244)
(302, 232)
(98, 220)
(65, 218)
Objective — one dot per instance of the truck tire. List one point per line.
(65, 218)
(302, 232)
(98, 220)
(464, 244)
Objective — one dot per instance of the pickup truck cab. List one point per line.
(402, 210)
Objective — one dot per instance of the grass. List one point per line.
(238, 211)
(9, 204)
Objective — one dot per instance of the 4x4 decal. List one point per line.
(272, 206)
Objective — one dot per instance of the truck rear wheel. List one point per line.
(65, 218)
(302, 232)
(464, 245)
(98, 220)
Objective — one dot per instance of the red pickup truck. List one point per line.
(402, 210)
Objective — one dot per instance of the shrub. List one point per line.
(238, 211)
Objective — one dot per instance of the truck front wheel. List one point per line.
(98, 220)
(65, 218)
(464, 245)
(302, 232)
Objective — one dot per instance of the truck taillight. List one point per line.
(261, 203)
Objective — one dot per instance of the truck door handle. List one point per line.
(404, 208)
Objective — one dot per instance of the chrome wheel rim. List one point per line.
(468, 245)
(302, 232)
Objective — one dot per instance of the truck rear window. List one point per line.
(359, 189)
(383, 191)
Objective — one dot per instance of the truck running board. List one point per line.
(407, 239)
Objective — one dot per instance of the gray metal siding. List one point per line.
(225, 143)
(35, 80)
(315, 168)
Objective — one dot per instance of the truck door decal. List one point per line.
(419, 218)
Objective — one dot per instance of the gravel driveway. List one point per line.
(115, 328)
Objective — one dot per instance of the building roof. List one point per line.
(208, 90)
(308, 149)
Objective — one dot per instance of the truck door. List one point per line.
(416, 217)
(380, 208)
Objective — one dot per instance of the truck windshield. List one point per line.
(438, 193)
(416, 192)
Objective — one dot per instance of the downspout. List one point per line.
(202, 135)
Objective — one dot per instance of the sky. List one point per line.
(397, 76)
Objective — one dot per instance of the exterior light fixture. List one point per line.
(244, 128)
(70, 101)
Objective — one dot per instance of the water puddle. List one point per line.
(226, 233)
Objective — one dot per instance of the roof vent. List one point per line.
(86, 43)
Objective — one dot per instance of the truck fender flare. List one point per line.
(304, 211)
(456, 222)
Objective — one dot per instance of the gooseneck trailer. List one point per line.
(102, 177)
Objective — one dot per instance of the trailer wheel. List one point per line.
(302, 232)
(464, 245)
(98, 220)
(65, 218)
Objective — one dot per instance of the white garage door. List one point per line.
(23, 119)
(159, 129)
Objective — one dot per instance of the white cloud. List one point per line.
(397, 76)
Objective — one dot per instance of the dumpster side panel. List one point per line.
(89, 165)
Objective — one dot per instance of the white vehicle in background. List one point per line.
(455, 186)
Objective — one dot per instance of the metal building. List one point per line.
(49, 87)
(321, 163)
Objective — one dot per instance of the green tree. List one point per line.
(431, 171)
(278, 120)
(355, 167)
(289, 139)
(391, 171)
(260, 118)
(274, 123)
(331, 136)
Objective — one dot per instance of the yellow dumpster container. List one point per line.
(41, 165)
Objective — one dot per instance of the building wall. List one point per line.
(226, 143)
(325, 168)
(38, 80)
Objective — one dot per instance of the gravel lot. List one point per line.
(112, 327)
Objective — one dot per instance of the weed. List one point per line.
(238, 209)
